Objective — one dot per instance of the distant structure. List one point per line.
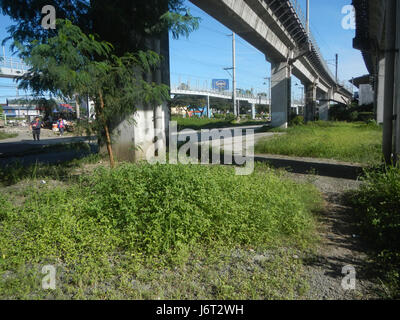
(366, 91)
(20, 111)
(220, 84)
(279, 30)
(378, 38)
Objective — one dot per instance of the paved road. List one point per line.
(15, 148)
(47, 158)
(24, 142)
(23, 149)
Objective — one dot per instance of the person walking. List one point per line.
(35, 127)
(61, 126)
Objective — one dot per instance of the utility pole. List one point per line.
(77, 108)
(269, 94)
(236, 111)
(308, 19)
(389, 80)
(337, 64)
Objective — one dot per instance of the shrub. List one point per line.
(140, 221)
(160, 209)
(353, 142)
(297, 121)
(351, 113)
(338, 113)
(219, 116)
(230, 117)
(165, 207)
(376, 206)
(366, 117)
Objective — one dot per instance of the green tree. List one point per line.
(124, 23)
(127, 25)
(46, 106)
(65, 65)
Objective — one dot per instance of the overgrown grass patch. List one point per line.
(16, 172)
(206, 123)
(4, 135)
(127, 233)
(352, 142)
(377, 208)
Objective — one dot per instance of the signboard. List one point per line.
(220, 84)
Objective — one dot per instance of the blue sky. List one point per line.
(207, 51)
(202, 57)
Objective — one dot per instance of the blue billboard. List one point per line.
(220, 84)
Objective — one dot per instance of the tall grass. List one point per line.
(353, 142)
(16, 171)
(97, 227)
(4, 135)
(377, 207)
(205, 123)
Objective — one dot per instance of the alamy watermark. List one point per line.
(349, 281)
(349, 19)
(49, 280)
(49, 20)
(235, 146)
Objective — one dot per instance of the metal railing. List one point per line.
(296, 6)
(226, 93)
(13, 64)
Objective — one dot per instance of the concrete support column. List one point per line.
(208, 107)
(143, 135)
(311, 101)
(78, 112)
(324, 107)
(397, 91)
(159, 112)
(253, 111)
(281, 94)
(380, 90)
(390, 59)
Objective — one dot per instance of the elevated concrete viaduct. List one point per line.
(277, 29)
(378, 38)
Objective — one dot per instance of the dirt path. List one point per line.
(340, 246)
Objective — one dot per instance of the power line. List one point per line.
(202, 44)
(198, 61)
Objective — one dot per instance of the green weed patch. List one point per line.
(118, 223)
(376, 206)
(205, 123)
(352, 142)
(4, 135)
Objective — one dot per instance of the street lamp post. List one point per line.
(269, 94)
(302, 94)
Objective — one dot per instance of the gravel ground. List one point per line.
(340, 246)
(24, 133)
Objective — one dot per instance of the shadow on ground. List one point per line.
(24, 147)
(335, 170)
(341, 247)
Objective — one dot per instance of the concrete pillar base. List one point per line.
(143, 136)
(253, 111)
(324, 107)
(281, 94)
(381, 90)
(311, 102)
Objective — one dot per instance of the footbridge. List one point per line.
(279, 30)
(252, 99)
(11, 68)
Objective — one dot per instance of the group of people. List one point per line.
(37, 124)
